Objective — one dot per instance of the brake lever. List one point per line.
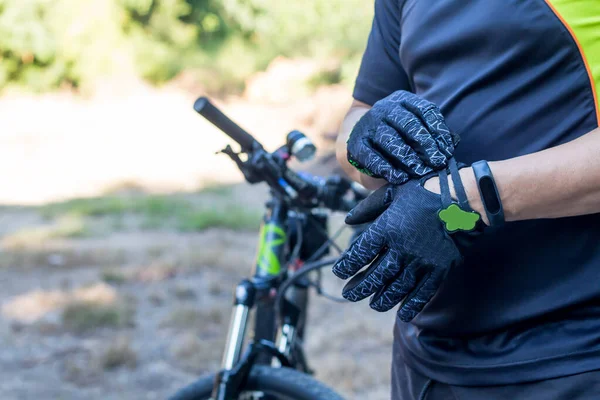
(244, 167)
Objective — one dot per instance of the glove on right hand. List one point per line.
(410, 245)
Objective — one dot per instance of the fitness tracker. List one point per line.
(489, 193)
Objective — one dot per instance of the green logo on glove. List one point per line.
(457, 219)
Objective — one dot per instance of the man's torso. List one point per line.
(511, 79)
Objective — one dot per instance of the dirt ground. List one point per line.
(115, 299)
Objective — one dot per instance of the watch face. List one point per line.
(488, 191)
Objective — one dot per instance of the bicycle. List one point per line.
(293, 243)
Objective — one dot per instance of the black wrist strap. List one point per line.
(489, 193)
(445, 189)
(456, 216)
(461, 194)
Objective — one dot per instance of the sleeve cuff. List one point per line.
(367, 93)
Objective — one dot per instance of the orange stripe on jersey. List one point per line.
(582, 20)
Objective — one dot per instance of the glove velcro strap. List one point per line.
(445, 189)
(461, 194)
(456, 217)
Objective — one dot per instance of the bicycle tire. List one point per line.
(281, 383)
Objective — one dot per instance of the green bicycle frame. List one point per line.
(269, 263)
(272, 241)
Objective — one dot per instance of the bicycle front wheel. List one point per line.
(266, 383)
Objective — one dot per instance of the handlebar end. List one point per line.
(204, 107)
(200, 103)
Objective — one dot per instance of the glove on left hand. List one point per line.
(409, 245)
(403, 136)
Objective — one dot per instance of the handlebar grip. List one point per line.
(204, 107)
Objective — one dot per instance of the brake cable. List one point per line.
(308, 267)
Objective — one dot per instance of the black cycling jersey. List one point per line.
(512, 77)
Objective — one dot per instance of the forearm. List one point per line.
(559, 182)
(357, 110)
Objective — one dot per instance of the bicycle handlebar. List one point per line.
(270, 170)
(204, 107)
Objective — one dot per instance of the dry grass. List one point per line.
(183, 318)
(60, 254)
(97, 293)
(210, 186)
(183, 292)
(156, 271)
(217, 288)
(85, 367)
(157, 297)
(232, 217)
(113, 276)
(68, 226)
(228, 258)
(185, 212)
(81, 369)
(197, 355)
(84, 316)
(118, 353)
(216, 315)
(32, 306)
(48, 328)
(196, 318)
(156, 251)
(186, 336)
(221, 248)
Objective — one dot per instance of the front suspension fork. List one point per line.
(245, 294)
(235, 369)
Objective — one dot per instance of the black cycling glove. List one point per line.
(402, 137)
(410, 245)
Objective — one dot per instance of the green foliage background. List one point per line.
(48, 43)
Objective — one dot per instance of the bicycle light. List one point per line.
(300, 146)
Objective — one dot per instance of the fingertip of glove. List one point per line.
(398, 176)
(409, 310)
(376, 306)
(351, 219)
(406, 315)
(398, 179)
(350, 296)
(378, 303)
(340, 274)
(339, 270)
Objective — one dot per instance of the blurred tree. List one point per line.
(47, 43)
